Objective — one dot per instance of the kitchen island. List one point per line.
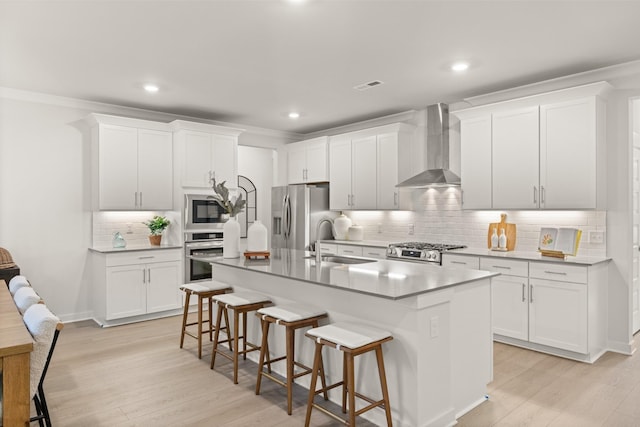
(441, 358)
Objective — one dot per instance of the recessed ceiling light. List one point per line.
(460, 66)
(294, 115)
(151, 88)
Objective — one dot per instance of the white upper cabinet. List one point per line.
(208, 156)
(544, 151)
(366, 165)
(475, 162)
(515, 159)
(132, 164)
(307, 161)
(568, 154)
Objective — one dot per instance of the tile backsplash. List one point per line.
(438, 217)
(130, 225)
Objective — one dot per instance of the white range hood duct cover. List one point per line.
(437, 149)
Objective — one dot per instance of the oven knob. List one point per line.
(432, 256)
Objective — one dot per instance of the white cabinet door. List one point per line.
(510, 309)
(515, 159)
(568, 155)
(163, 281)
(118, 167)
(476, 168)
(460, 261)
(225, 160)
(340, 175)
(364, 173)
(297, 156)
(558, 314)
(198, 155)
(374, 252)
(126, 292)
(350, 250)
(155, 170)
(316, 161)
(387, 159)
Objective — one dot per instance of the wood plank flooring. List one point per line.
(135, 375)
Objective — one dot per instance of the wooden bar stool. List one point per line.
(204, 291)
(352, 340)
(292, 318)
(240, 303)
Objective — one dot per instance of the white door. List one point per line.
(636, 220)
(515, 159)
(510, 311)
(198, 157)
(568, 155)
(296, 164)
(387, 158)
(225, 160)
(155, 170)
(340, 175)
(558, 314)
(364, 173)
(316, 162)
(126, 291)
(163, 281)
(475, 162)
(118, 167)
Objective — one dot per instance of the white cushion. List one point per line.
(25, 297)
(205, 286)
(16, 283)
(292, 313)
(42, 326)
(349, 335)
(240, 298)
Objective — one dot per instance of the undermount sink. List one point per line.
(343, 259)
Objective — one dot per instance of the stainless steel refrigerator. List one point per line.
(295, 213)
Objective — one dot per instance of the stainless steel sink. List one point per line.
(343, 259)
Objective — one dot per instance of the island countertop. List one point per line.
(383, 278)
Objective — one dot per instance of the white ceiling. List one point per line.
(251, 62)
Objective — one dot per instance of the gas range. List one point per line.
(420, 251)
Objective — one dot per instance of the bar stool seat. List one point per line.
(353, 340)
(240, 303)
(204, 291)
(292, 318)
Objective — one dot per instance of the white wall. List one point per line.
(257, 165)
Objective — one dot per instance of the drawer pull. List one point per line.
(459, 262)
(146, 257)
(502, 267)
(372, 253)
(559, 273)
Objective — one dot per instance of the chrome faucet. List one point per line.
(322, 221)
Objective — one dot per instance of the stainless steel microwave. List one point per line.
(202, 212)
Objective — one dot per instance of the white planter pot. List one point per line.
(257, 237)
(231, 240)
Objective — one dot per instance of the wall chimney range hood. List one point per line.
(437, 151)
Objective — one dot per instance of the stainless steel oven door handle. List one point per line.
(204, 245)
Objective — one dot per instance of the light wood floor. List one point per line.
(135, 375)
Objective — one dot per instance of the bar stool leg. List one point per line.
(184, 317)
(265, 332)
(210, 310)
(216, 336)
(244, 335)
(314, 379)
(236, 345)
(352, 392)
(226, 322)
(199, 326)
(290, 358)
(345, 382)
(383, 385)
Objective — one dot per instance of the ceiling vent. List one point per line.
(368, 85)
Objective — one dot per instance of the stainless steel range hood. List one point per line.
(437, 151)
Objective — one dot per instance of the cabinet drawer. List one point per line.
(505, 266)
(373, 252)
(461, 261)
(143, 257)
(558, 272)
(328, 248)
(349, 250)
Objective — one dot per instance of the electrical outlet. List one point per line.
(435, 326)
(596, 236)
(411, 229)
(129, 228)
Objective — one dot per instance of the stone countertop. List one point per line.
(383, 278)
(132, 248)
(530, 256)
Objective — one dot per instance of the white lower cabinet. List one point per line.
(136, 283)
(510, 306)
(353, 250)
(460, 261)
(350, 250)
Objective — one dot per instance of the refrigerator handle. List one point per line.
(287, 216)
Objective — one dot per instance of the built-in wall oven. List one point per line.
(200, 249)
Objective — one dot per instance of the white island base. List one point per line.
(438, 364)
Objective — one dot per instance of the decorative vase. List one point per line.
(341, 227)
(257, 237)
(118, 240)
(155, 240)
(231, 238)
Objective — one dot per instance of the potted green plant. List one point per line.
(156, 226)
